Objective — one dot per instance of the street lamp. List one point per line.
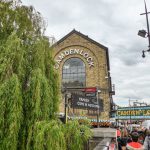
(67, 95)
(143, 33)
(98, 108)
(130, 109)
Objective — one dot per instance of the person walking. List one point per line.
(124, 139)
(147, 141)
(134, 145)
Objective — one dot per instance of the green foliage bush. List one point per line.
(76, 135)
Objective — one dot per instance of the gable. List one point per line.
(74, 33)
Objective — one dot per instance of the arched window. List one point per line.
(73, 73)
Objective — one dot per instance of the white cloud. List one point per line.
(113, 23)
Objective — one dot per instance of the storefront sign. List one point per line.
(133, 113)
(83, 102)
(90, 94)
(90, 89)
(66, 53)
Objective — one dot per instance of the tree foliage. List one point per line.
(29, 85)
(76, 135)
(47, 135)
(10, 113)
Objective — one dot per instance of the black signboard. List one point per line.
(82, 102)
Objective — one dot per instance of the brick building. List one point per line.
(83, 66)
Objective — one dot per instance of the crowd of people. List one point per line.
(137, 139)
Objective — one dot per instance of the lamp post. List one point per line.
(143, 33)
(98, 108)
(118, 118)
(66, 106)
(134, 101)
(130, 112)
(64, 90)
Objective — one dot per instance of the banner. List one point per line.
(133, 113)
(82, 102)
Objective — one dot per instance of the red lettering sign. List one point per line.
(90, 89)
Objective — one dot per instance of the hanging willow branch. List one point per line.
(47, 135)
(76, 135)
(29, 86)
(10, 113)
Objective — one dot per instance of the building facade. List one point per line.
(83, 68)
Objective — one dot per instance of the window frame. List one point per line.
(72, 75)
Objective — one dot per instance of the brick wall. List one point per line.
(95, 76)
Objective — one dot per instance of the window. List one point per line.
(73, 74)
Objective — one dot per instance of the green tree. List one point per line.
(29, 86)
(76, 135)
(28, 83)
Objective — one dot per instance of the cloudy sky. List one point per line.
(113, 23)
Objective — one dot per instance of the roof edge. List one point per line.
(87, 38)
(82, 35)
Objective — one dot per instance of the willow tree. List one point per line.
(28, 83)
(76, 135)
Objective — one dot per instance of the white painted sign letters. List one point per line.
(66, 53)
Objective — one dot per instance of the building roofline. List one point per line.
(87, 38)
